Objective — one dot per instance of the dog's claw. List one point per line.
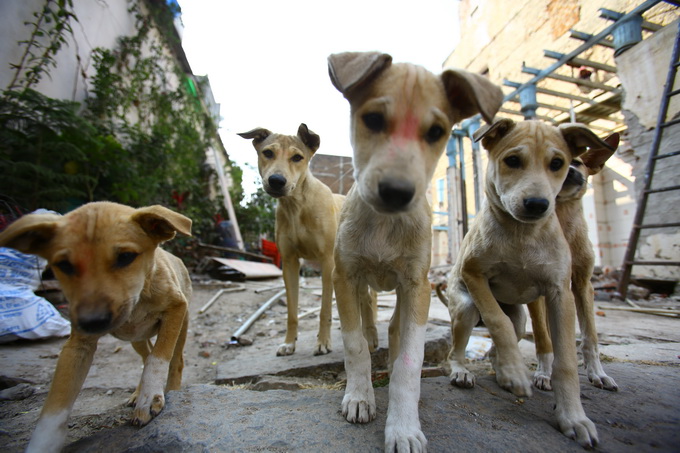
(462, 379)
(542, 382)
(582, 431)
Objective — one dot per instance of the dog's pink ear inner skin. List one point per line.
(259, 134)
(31, 233)
(471, 93)
(491, 135)
(595, 158)
(161, 223)
(351, 70)
(309, 138)
(580, 138)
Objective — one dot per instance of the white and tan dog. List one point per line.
(401, 117)
(306, 221)
(569, 210)
(118, 281)
(514, 253)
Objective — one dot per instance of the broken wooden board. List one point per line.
(251, 269)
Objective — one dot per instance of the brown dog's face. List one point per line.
(401, 118)
(528, 164)
(282, 160)
(102, 255)
(527, 168)
(398, 134)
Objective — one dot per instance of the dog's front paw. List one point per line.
(358, 408)
(322, 347)
(513, 378)
(286, 349)
(147, 408)
(579, 428)
(402, 437)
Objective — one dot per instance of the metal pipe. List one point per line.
(218, 294)
(249, 322)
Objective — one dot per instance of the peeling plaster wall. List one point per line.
(643, 71)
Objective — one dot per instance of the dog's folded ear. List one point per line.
(491, 134)
(161, 223)
(471, 93)
(309, 138)
(258, 134)
(350, 70)
(31, 233)
(580, 138)
(595, 158)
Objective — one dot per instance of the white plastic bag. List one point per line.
(22, 313)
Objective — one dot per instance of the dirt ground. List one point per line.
(116, 369)
(635, 338)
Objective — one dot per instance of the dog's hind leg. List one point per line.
(323, 339)
(74, 362)
(291, 279)
(583, 298)
(143, 348)
(464, 316)
(544, 349)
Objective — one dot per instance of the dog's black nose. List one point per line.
(536, 206)
(396, 193)
(277, 181)
(94, 321)
(574, 177)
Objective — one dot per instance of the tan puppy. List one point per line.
(569, 210)
(514, 253)
(118, 281)
(306, 221)
(401, 116)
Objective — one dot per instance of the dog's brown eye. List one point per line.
(513, 161)
(374, 121)
(556, 164)
(124, 259)
(268, 153)
(66, 267)
(297, 158)
(434, 134)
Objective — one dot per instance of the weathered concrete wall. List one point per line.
(336, 172)
(643, 70)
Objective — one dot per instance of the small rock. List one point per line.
(109, 392)
(204, 354)
(18, 392)
(245, 341)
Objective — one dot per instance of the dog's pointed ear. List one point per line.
(309, 138)
(350, 70)
(492, 134)
(31, 233)
(580, 138)
(259, 134)
(595, 158)
(471, 93)
(161, 223)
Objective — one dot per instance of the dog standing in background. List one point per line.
(401, 117)
(306, 221)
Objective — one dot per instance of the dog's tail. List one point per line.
(439, 289)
